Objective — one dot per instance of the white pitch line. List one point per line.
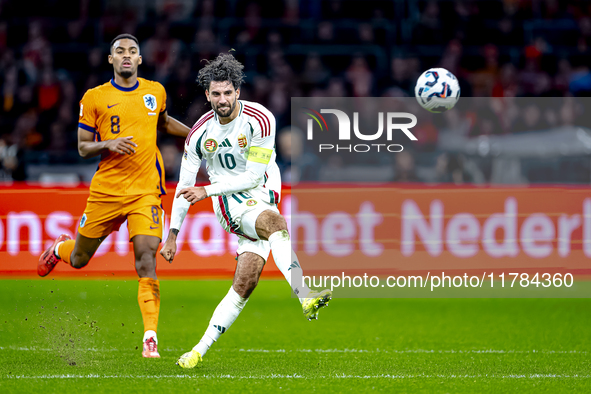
(420, 351)
(346, 350)
(296, 376)
(41, 349)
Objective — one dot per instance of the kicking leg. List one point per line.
(271, 226)
(76, 253)
(246, 278)
(79, 255)
(145, 247)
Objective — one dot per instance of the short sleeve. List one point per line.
(88, 115)
(163, 99)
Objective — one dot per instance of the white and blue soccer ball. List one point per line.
(437, 90)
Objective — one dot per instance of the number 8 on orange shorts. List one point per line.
(105, 214)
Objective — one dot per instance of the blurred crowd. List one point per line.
(52, 53)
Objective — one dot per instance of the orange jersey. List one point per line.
(111, 111)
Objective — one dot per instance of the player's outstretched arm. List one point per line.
(180, 206)
(230, 184)
(193, 194)
(87, 147)
(171, 126)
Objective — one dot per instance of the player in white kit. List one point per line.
(237, 138)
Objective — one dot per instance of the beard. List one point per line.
(217, 111)
(126, 74)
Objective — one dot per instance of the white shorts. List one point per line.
(237, 213)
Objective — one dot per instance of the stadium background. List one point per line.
(52, 52)
(510, 50)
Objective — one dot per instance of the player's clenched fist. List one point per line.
(168, 250)
(122, 145)
(193, 194)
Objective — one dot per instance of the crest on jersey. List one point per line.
(251, 202)
(242, 141)
(211, 145)
(150, 102)
(83, 220)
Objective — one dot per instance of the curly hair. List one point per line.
(223, 68)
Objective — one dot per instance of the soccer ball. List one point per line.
(437, 90)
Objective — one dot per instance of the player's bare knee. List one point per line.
(145, 247)
(245, 286)
(79, 259)
(145, 270)
(145, 264)
(270, 222)
(278, 224)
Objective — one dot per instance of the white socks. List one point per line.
(230, 307)
(149, 334)
(57, 247)
(224, 315)
(288, 263)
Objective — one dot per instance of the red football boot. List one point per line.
(48, 259)
(150, 349)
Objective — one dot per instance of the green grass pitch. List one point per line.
(85, 336)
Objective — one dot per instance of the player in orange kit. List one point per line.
(119, 120)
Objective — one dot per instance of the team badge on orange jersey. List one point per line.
(211, 145)
(242, 141)
(150, 102)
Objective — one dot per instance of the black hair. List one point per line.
(121, 37)
(223, 68)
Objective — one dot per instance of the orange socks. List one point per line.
(148, 292)
(65, 250)
(149, 299)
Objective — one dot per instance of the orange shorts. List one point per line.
(105, 214)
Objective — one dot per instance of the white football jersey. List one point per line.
(250, 137)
